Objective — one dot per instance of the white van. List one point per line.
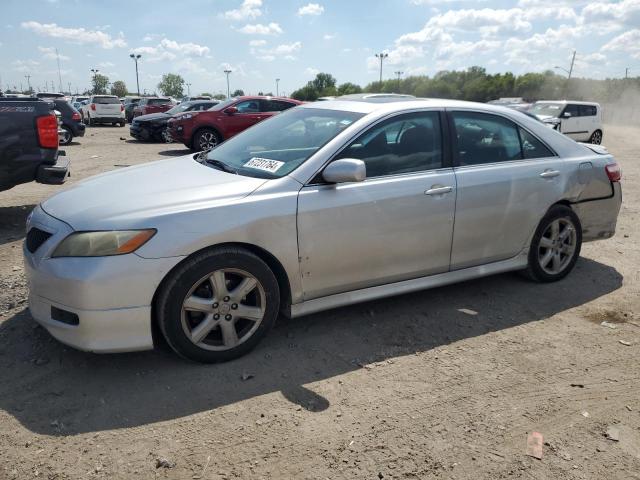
(103, 109)
(581, 121)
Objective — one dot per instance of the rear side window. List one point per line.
(485, 138)
(403, 144)
(275, 105)
(159, 101)
(532, 147)
(105, 100)
(587, 110)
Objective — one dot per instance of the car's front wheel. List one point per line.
(555, 246)
(217, 305)
(205, 139)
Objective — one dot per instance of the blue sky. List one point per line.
(261, 40)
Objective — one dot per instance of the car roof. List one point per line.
(564, 102)
(265, 97)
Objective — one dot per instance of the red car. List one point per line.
(149, 105)
(204, 130)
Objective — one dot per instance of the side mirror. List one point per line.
(566, 115)
(345, 170)
(230, 110)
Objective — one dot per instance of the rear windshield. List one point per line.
(159, 101)
(105, 100)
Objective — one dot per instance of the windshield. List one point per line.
(183, 107)
(547, 109)
(277, 146)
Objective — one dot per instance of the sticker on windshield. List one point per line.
(265, 164)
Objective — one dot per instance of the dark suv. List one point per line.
(204, 130)
(72, 125)
(129, 104)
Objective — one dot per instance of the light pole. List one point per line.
(135, 59)
(227, 72)
(188, 89)
(69, 85)
(95, 84)
(398, 73)
(28, 77)
(381, 56)
(277, 87)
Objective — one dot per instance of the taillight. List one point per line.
(122, 108)
(47, 126)
(75, 116)
(93, 107)
(613, 172)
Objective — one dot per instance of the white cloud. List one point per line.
(76, 35)
(311, 72)
(50, 54)
(190, 49)
(249, 9)
(328, 37)
(628, 42)
(257, 43)
(24, 65)
(260, 29)
(313, 9)
(285, 50)
(626, 12)
(106, 64)
(170, 50)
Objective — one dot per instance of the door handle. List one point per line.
(550, 174)
(438, 190)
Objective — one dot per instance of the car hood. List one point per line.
(131, 197)
(151, 117)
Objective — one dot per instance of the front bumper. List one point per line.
(111, 296)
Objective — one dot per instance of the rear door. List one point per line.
(506, 178)
(588, 119)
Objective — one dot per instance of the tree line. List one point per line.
(475, 84)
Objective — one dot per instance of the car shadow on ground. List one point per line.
(13, 222)
(52, 389)
(175, 153)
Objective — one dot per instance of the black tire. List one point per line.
(90, 122)
(535, 269)
(122, 123)
(200, 141)
(181, 282)
(596, 137)
(68, 136)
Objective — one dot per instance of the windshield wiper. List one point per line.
(220, 165)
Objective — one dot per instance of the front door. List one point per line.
(248, 114)
(395, 225)
(507, 179)
(571, 125)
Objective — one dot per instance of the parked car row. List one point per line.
(153, 126)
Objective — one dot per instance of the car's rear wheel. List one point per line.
(165, 136)
(66, 136)
(217, 305)
(555, 246)
(596, 137)
(206, 139)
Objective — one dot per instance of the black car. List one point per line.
(129, 104)
(71, 120)
(154, 125)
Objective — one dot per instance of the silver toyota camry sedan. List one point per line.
(324, 205)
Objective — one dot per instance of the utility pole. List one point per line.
(277, 87)
(626, 73)
(573, 59)
(95, 84)
(59, 75)
(28, 77)
(399, 74)
(188, 89)
(381, 56)
(227, 72)
(69, 85)
(135, 59)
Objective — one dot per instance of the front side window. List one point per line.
(532, 147)
(572, 110)
(406, 143)
(248, 106)
(485, 138)
(277, 146)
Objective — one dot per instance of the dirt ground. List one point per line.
(404, 388)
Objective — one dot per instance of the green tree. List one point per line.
(206, 94)
(99, 83)
(119, 88)
(238, 93)
(349, 88)
(220, 96)
(172, 85)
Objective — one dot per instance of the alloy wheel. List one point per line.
(66, 137)
(208, 140)
(596, 138)
(223, 309)
(557, 246)
(166, 136)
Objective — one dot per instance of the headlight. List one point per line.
(102, 244)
